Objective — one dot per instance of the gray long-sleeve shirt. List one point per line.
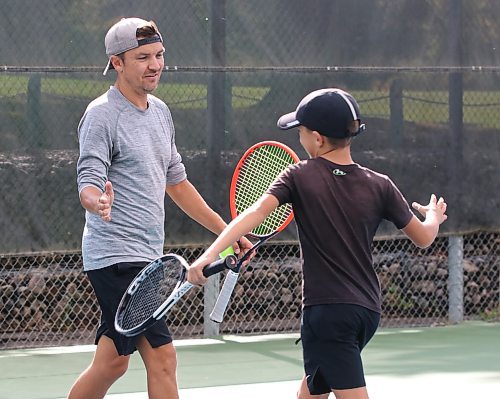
(135, 150)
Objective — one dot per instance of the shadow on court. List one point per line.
(395, 359)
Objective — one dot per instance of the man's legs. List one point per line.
(106, 367)
(161, 365)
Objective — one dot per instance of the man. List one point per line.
(128, 160)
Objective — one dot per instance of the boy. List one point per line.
(338, 206)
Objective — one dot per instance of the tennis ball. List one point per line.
(226, 252)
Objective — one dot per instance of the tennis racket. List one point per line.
(256, 170)
(156, 289)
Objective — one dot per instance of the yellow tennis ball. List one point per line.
(228, 251)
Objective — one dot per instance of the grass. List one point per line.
(431, 107)
(425, 107)
(187, 96)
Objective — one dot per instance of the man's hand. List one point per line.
(105, 202)
(241, 247)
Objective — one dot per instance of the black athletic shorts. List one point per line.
(109, 285)
(332, 338)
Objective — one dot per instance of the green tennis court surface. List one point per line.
(444, 362)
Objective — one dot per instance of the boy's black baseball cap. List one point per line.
(327, 111)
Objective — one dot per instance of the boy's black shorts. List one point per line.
(109, 285)
(332, 337)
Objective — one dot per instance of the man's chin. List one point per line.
(150, 89)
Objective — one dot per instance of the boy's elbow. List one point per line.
(423, 243)
(426, 238)
(421, 234)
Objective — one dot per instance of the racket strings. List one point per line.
(274, 221)
(151, 293)
(257, 172)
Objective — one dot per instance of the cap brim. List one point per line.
(288, 121)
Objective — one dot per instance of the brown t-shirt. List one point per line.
(338, 209)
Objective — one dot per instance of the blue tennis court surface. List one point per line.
(443, 362)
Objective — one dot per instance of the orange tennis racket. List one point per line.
(256, 170)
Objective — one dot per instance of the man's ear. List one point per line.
(117, 63)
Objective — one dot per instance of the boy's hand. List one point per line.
(435, 206)
(195, 271)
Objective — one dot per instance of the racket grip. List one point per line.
(229, 262)
(224, 296)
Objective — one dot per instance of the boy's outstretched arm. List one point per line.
(239, 226)
(424, 233)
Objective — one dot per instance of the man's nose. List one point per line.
(155, 64)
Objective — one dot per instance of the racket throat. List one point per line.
(172, 299)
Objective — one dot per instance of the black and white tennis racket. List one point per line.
(256, 170)
(156, 289)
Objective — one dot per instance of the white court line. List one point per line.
(60, 350)
(244, 339)
(57, 350)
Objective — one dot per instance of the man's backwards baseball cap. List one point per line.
(327, 111)
(122, 37)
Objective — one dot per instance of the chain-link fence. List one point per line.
(232, 69)
(47, 300)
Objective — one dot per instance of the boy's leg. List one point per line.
(161, 365)
(356, 393)
(106, 367)
(303, 392)
(332, 339)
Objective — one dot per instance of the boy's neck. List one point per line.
(340, 156)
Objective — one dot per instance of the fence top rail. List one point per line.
(312, 69)
(195, 246)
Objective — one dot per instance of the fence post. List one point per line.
(216, 91)
(396, 112)
(210, 294)
(455, 95)
(455, 279)
(34, 131)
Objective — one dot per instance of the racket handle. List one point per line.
(229, 262)
(224, 296)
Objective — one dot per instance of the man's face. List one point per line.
(141, 68)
